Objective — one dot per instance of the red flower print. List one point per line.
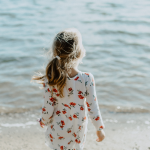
(48, 90)
(74, 135)
(73, 104)
(58, 112)
(74, 116)
(70, 89)
(81, 108)
(87, 104)
(69, 131)
(57, 94)
(64, 112)
(54, 90)
(66, 105)
(50, 117)
(80, 96)
(62, 122)
(61, 126)
(52, 126)
(51, 99)
(97, 118)
(51, 140)
(43, 109)
(76, 140)
(89, 109)
(87, 74)
(61, 137)
(70, 118)
(61, 147)
(80, 127)
(69, 143)
(43, 119)
(76, 78)
(101, 127)
(95, 99)
(80, 92)
(51, 136)
(84, 117)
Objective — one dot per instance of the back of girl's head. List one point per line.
(68, 46)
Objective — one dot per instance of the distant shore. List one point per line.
(124, 131)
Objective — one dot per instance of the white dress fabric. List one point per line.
(67, 118)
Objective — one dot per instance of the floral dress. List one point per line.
(67, 118)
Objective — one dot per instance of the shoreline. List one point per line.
(124, 131)
(110, 108)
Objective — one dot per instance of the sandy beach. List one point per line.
(124, 131)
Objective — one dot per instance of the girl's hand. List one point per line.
(100, 135)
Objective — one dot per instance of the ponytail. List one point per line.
(56, 75)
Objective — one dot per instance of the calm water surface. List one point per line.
(116, 36)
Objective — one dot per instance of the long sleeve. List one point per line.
(92, 103)
(48, 106)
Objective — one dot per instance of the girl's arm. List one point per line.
(92, 103)
(48, 108)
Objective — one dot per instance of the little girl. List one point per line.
(69, 95)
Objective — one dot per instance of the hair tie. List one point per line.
(57, 57)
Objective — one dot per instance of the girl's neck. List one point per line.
(74, 72)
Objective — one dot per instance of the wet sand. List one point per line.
(124, 131)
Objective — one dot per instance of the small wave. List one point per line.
(129, 21)
(118, 109)
(116, 32)
(121, 109)
(132, 44)
(7, 110)
(8, 59)
(4, 39)
(115, 5)
(8, 14)
(24, 125)
(15, 59)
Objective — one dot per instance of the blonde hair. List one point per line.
(67, 44)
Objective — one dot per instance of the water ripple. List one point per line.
(115, 36)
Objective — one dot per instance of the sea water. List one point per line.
(116, 36)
